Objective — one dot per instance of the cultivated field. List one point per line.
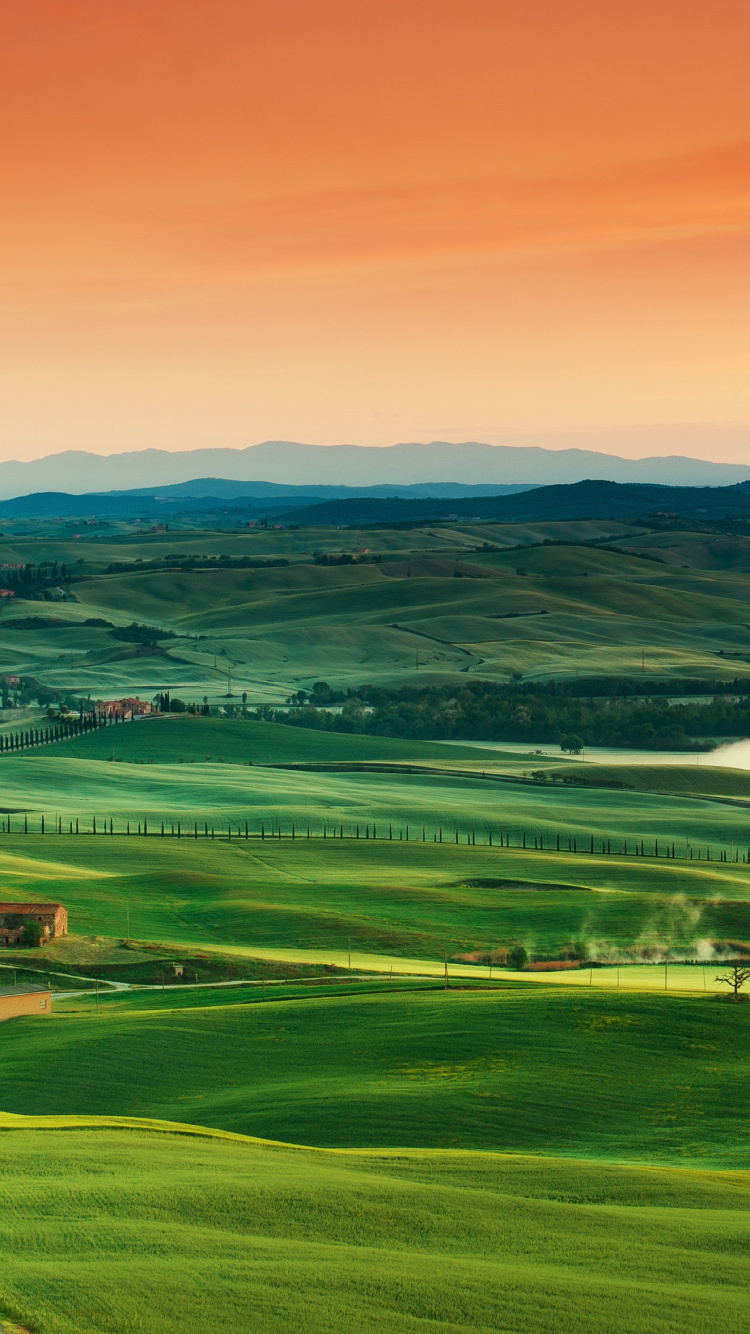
(544, 1070)
(538, 1150)
(540, 611)
(413, 900)
(205, 1232)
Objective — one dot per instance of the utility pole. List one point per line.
(350, 954)
(127, 914)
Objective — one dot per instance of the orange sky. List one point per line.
(371, 220)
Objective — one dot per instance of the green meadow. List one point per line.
(414, 901)
(317, 1145)
(441, 601)
(151, 1231)
(557, 1071)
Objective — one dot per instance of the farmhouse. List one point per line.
(137, 707)
(17, 1001)
(52, 917)
(122, 708)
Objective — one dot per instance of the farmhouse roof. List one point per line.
(29, 907)
(32, 990)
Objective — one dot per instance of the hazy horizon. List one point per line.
(726, 442)
(368, 224)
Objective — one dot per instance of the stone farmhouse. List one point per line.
(123, 708)
(52, 917)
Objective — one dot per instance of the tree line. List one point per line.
(485, 711)
(588, 844)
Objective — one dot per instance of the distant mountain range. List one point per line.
(207, 495)
(580, 500)
(311, 507)
(287, 463)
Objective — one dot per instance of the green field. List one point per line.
(540, 612)
(187, 1234)
(520, 1069)
(543, 1152)
(413, 901)
(183, 739)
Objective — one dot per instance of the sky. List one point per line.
(378, 221)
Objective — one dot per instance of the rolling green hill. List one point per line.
(553, 1070)
(189, 1233)
(572, 608)
(411, 900)
(181, 739)
(416, 1210)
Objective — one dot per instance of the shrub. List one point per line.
(32, 934)
(517, 957)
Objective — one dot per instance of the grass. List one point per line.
(186, 739)
(186, 1234)
(414, 901)
(532, 1069)
(490, 1158)
(52, 783)
(575, 609)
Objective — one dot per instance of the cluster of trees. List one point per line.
(36, 583)
(484, 711)
(184, 562)
(167, 703)
(346, 558)
(140, 634)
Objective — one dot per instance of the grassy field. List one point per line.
(500, 1155)
(180, 738)
(186, 1234)
(541, 611)
(544, 1070)
(415, 901)
(47, 782)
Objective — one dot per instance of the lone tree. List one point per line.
(738, 975)
(572, 744)
(517, 957)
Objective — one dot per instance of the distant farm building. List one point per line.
(52, 918)
(122, 708)
(18, 1001)
(137, 706)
